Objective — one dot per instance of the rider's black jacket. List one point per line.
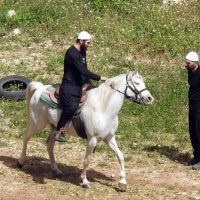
(75, 70)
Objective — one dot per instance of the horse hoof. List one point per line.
(122, 187)
(57, 174)
(19, 165)
(86, 185)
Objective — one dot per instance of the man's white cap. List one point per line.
(84, 35)
(192, 56)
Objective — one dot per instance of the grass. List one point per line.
(3, 144)
(148, 36)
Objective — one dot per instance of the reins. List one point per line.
(127, 96)
(136, 92)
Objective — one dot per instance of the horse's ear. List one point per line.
(130, 74)
(135, 72)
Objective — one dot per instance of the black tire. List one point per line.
(13, 87)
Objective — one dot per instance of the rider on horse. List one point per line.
(75, 76)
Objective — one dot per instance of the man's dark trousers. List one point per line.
(194, 129)
(69, 101)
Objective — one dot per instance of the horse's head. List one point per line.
(136, 90)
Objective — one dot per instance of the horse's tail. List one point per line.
(32, 87)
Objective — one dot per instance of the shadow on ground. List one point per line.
(39, 169)
(171, 152)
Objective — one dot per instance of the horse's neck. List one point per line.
(109, 99)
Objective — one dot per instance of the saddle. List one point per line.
(51, 95)
(54, 94)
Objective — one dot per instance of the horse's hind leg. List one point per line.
(50, 149)
(27, 135)
(32, 129)
(113, 145)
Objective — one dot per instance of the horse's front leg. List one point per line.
(50, 149)
(89, 150)
(113, 145)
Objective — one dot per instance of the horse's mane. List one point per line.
(105, 92)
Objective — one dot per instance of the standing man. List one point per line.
(192, 65)
(76, 74)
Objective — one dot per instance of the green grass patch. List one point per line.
(128, 35)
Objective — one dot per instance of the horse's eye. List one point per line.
(136, 83)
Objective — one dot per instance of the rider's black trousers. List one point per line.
(69, 100)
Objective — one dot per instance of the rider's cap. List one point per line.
(192, 56)
(84, 35)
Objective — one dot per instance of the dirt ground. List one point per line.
(148, 177)
(161, 174)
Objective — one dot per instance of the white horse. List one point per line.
(99, 114)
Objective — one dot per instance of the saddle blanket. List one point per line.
(45, 97)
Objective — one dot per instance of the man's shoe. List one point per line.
(59, 136)
(192, 162)
(196, 166)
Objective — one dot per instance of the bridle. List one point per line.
(134, 90)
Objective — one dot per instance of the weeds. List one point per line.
(146, 36)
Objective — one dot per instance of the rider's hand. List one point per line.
(104, 78)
